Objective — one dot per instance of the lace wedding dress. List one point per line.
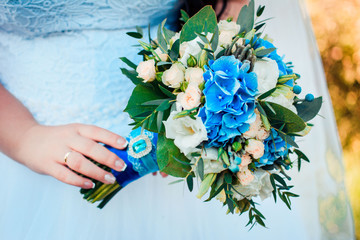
(60, 58)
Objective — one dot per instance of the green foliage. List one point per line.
(280, 116)
(301, 156)
(206, 183)
(184, 16)
(260, 53)
(308, 110)
(246, 17)
(203, 21)
(190, 182)
(166, 154)
(281, 189)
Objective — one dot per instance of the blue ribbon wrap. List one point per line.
(136, 167)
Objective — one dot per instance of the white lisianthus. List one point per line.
(187, 133)
(146, 70)
(211, 162)
(163, 56)
(283, 101)
(174, 76)
(232, 27)
(255, 148)
(259, 186)
(267, 73)
(190, 98)
(194, 75)
(191, 47)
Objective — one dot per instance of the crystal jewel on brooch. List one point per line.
(140, 146)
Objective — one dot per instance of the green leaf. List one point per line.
(308, 110)
(288, 139)
(174, 52)
(230, 204)
(164, 106)
(177, 181)
(279, 179)
(155, 102)
(263, 52)
(215, 39)
(166, 151)
(135, 35)
(168, 34)
(260, 10)
(205, 184)
(161, 39)
(128, 62)
(228, 178)
(258, 27)
(182, 162)
(214, 192)
(206, 17)
(267, 94)
(159, 120)
(293, 123)
(184, 16)
(190, 182)
(167, 92)
(132, 75)
(139, 30)
(200, 168)
(246, 17)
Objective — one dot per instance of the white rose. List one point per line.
(191, 47)
(187, 133)
(211, 162)
(194, 75)
(283, 101)
(163, 56)
(260, 186)
(190, 98)
(146, 70)
(225, 38)
(255, 148)
(174, 75)
(267, 73)
(231, 27)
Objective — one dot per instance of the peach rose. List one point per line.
(255, 148)
(254, 127)
(245, 161)
(262, 134)
(190, 98)
(163, 56)
(245, 177)
(146, 70)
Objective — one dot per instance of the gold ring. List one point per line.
(66, 156)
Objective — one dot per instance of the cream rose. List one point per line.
(211, 162)
(255, 148)
(245, 161)
(190, 98)
(174, 76)
(260, 186)
(225, 38)
(146, 70)
(230, 27)
(254, 127)
(267, 73)
(187, 133)
(163, 56)
(245, 176)
(194, 75)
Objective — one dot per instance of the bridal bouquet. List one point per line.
(216, 103)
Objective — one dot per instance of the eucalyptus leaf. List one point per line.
(246, 17)
(159, 119)
(260, 10)
(166, 151)
(164, 106)
(167, 92)
(128, 62)
(175, 49)
(161, 39)
(155, 102)
(267, 93)
(177, 181)
(205, 18)
(168, 34)
(132, 75)
(215, 39)
(264, 52)
(200, 168)
(309, 110)
(139, 30)
(190, 182)
(135, 35)
(293, 123)
(184, 16)
(288, 139)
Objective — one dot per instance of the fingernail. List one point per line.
(122, 142)
(110, 178)
(120, 165)
(89, 185)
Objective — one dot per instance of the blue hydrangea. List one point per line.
(230, 99)
(274, 148)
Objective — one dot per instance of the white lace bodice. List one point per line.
(42, 17)
(61, 58)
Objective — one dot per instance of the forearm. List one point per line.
(15, 120)
(232, 9)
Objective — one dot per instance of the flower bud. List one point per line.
(191, 62)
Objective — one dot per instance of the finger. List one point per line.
(102, 135)
(65, 175)
(80, 164)
(154, 173)
(97, 152)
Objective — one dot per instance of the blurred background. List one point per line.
(337, 29)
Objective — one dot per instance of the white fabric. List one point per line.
(73, 76)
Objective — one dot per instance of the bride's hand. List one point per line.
(43, 149)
